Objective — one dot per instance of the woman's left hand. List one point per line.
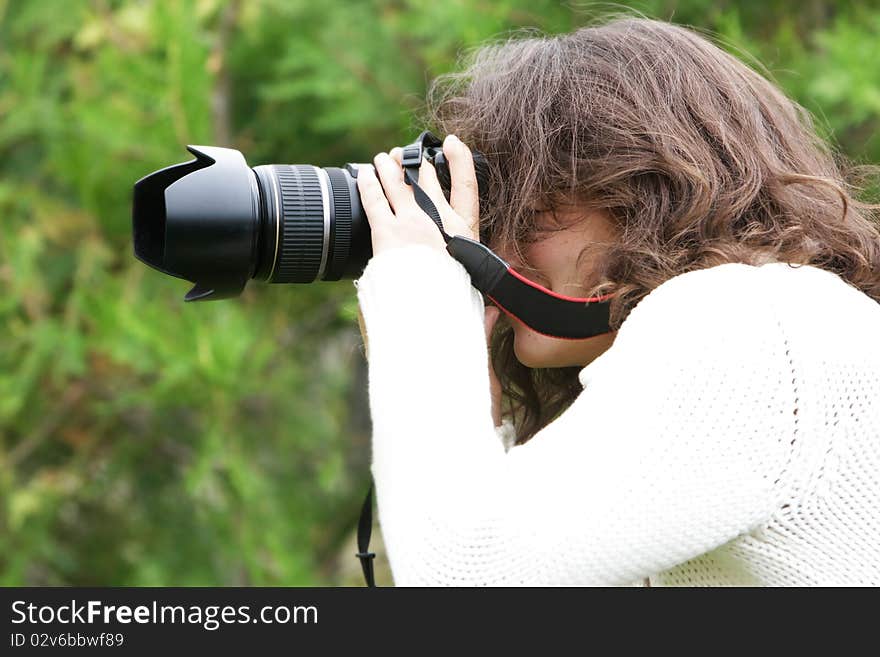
(396, 219)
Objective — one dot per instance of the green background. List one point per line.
(148, 442)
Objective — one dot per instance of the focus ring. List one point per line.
(341, 223)
(301, 242)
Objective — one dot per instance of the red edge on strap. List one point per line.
(558, 296)
(555, 337)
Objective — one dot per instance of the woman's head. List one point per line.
(665, 153)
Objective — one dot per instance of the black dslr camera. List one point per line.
(218, 222)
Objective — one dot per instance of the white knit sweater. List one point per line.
(730, 436)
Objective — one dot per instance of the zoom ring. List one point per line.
(301, 242)
(341, 223)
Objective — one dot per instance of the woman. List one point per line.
(727, 431)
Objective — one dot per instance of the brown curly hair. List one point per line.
(696, 159)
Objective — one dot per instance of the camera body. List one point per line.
(218, 222)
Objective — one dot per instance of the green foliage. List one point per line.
(145, 442)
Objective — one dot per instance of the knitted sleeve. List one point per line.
(678, 443)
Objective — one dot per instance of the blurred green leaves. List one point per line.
(144, 441)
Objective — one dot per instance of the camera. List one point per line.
(218, 222)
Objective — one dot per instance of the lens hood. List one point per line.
(199, 220)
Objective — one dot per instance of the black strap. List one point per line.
(540, 309)
(365, 529)
(411, 176)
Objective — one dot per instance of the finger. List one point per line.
(431, 184)
(464, 194)
(399, 194)
(427, 180)
(373, 198)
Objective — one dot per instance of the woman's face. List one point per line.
(554, 264)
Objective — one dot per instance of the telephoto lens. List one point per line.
(218, 223)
